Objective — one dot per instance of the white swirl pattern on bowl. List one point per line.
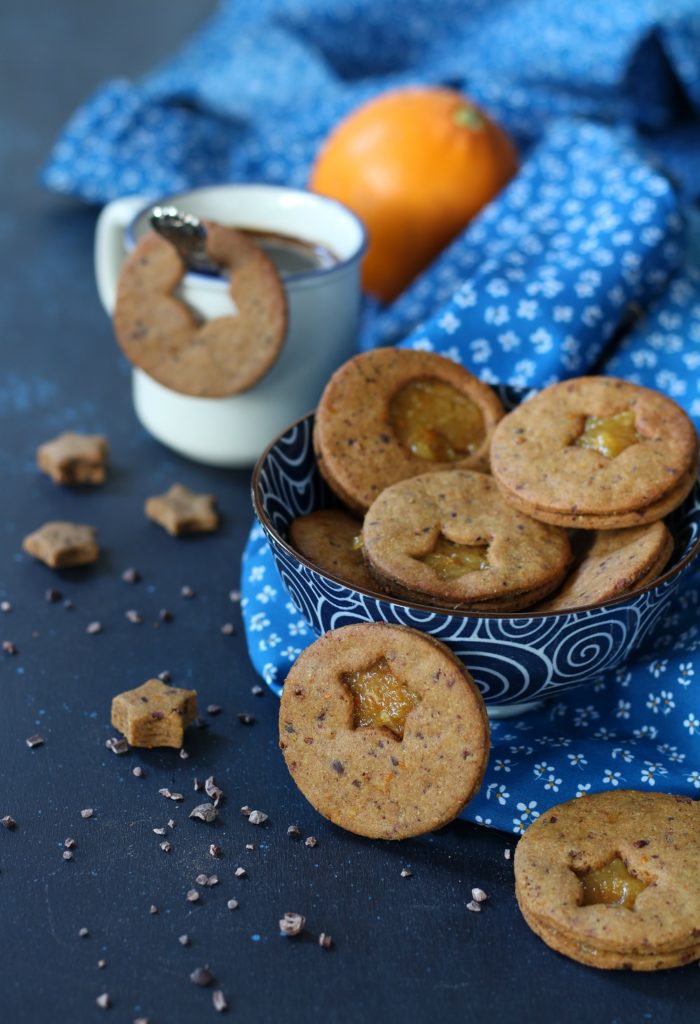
(514, 658)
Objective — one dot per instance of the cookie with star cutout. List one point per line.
(611, 879)
(383, 730)
(596, 453)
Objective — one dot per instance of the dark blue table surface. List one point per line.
(405, 949)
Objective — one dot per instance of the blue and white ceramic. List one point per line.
(516, 658)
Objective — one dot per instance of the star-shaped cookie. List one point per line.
(180, 511)
(60, 544)
(154, 715)
(71, 458)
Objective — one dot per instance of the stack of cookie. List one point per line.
(583, 475)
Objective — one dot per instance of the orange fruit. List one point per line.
(416, 165)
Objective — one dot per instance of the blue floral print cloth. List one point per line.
(604, 102)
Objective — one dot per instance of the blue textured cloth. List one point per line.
(604, 100)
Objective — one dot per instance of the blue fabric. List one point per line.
(604, 101)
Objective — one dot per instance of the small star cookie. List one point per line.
(71, 458)
(154, 715)
(180, 511)
(61, 545)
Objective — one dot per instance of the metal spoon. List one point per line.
(187, 234)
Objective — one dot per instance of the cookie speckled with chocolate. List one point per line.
(222, 356)
(332, 540)
(612, 563)
(383, 730)
(61, 545)
(181, 511)
(612, 879)
(596, 453)
(154, 715)
(72, 458)
(394, 413)
(450, 539)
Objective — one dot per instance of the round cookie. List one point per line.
(160, 334)
(596, 453)
(395, 413)
(328, 538)
(614, 562)
(563, 867)
(511, 560)
(369, 778)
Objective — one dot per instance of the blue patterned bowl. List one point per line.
(516, 658)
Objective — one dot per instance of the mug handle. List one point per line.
(109, 245)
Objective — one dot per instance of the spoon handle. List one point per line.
(187, 234)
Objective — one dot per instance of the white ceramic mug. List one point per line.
(323, 316)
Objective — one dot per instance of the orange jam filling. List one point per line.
(436, 422)
(609, 435)
(449, 561)
(380, 698)
(612, 884)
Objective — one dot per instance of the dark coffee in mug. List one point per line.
(292, 255)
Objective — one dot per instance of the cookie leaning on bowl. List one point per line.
(596, 453)
(450, 539)
(394, 413)
(612, 879)
(383, 730)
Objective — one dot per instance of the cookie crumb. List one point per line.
(204, 812)
(87, 812)
(406, 873)
(131, 575)
(506, 854)
(294, 832)
(213, 709)
(233, 904)
(52, 596)
(93, 628)
(103, 1001)
(5, 606)
(153, 909)
(240, 872)
(187, 592)
(215, 850)
(201, 976)
(192, 896)
(184, 940)
(311, 841)
(67, 855)
(165, 676)
(228, 629)
(183, 754)
(165, 846)
(137, 770)
(118, 745)
(245, 719)
(133, 616)
(292, 924)
(325, 941)
(219, 1001)
(69, 843)
(101, 964)
(479, 895)
(83, 933)
(35, 741)
(474, 906)
(257, 817)
(257, 690)
(8, 822)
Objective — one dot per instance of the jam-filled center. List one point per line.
(612, 884)
(449, 561)
(436, 422)
(380, 698)
(609, 435)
